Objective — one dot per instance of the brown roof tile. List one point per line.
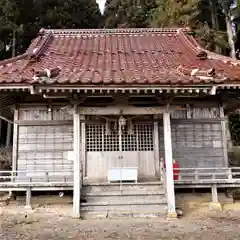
(118, 57)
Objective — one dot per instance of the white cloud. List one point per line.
(101, 4)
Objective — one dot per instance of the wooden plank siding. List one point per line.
(44, 142)
(196, 138)
(45, 147)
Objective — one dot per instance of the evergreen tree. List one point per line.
(204, 17)
(128, 13)
(25, 18)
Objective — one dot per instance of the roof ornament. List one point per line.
(202, 55)
(35, 50)
(41, 32)
(207, 73)
(50, 73)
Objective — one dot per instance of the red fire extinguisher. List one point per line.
(175, 169)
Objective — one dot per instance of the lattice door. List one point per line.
(108, 150)
(99, 140)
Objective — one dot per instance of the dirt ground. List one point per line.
(47, 223)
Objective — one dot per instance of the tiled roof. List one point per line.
(126, 57)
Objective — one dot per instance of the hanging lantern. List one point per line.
(122, 121)
(108, 128)
(130, 127)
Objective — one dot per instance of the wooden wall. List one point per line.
(45, 141)
(197, 137)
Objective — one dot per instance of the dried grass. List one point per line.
(5, 158)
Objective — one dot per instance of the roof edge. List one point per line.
(192, 42)
(113, 31)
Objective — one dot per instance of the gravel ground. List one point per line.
(49, 223)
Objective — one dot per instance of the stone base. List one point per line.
(28, 207)
(172, 215)
(215, 206)
(76, 216)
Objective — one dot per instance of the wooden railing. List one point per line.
(39, 178)
(207, 175)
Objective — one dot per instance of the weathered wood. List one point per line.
(45, 113)
(15, 141)
(103, 151)
(123, 110)
(44, 122)
(45, 148)
(77, 165)
(195, 112)
(195, 144)
(199, 120)
(169, 165)
(83, 146)
(224, 136)
(0, 128)
(156, 149)
(9, 134)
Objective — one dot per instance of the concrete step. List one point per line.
(125, 199)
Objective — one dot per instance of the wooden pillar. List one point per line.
(224, 126)
(0, 129)
(15, 141)
(83, 147)
(77, 165)
(169, 166)
(156, 148)
(9, 134)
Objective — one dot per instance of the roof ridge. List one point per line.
(114, 31)
(45, 42)
(190, 43)
(28, 54)
(211, 55)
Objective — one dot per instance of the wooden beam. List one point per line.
(169, 166)
(43, 122)
(123, 110)
(77, 166)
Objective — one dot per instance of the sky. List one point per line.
(101, 4)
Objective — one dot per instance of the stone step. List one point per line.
(120, 210)
(125, 187)
(127, 192)
(117, 214)
(126, 199)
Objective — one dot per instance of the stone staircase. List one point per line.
(111, 200)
